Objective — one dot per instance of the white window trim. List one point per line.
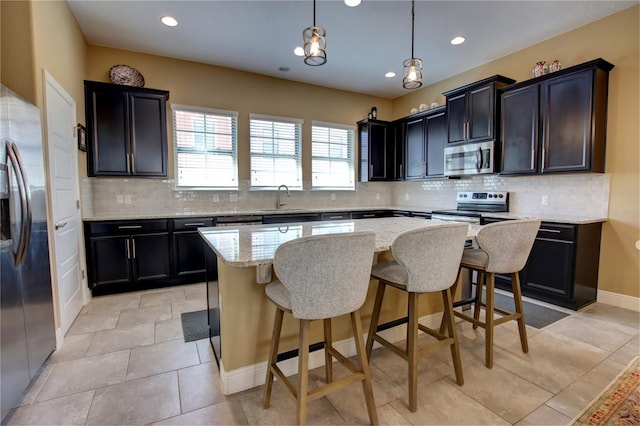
(353, 153)
(204, 110)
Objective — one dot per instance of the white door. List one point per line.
(60, 114)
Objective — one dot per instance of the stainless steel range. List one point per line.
(471, 205)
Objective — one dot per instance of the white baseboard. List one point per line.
(254, 375)
(619, 300)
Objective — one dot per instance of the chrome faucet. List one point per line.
(278, 203)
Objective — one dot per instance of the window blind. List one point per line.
(206, 150)
(276, 152)
(332, 156)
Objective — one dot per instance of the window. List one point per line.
(332, 156)
(206, 147)
(276, 152)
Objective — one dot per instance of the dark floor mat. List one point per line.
(195, 327)
(536, 316)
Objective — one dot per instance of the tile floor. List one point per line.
(124, 361)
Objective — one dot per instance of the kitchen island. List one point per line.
(242, 337)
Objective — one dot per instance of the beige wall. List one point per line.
(16, 59)
(616, 39)
(209, 86)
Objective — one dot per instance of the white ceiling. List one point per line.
(363, 42)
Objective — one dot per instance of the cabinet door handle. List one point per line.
(555, 231)
(468, 130)
(133, 248)
(128, 164)
(130, 227)
(370, 170)
(544, 158)
(194, 224)
(533, 157)
(133, 163)
(401, 170)
(126, 243)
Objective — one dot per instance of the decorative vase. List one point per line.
(555, 66)
(538, 70)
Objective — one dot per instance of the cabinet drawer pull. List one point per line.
(336, 217)
(369, 215)
(555, 231)
(130, 227)
(194, 224)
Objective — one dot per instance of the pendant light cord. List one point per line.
(413, 18)
(314, 13)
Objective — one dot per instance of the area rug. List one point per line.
(536, 316)
(619, 403)
(195, 325)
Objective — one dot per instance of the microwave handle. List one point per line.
(478, 159)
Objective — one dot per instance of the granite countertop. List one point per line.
(254, 245)
(570, 219)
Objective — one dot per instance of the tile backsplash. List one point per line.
(583, 195)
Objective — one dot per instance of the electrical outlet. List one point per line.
(216, 198)
(119, 199)
(406, 197)
(333, 196)
(545, 200)
(127, 199)
(377, 195)
(233, 198)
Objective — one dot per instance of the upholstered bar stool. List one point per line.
(321, 277)
(504, 248)
(425, 260)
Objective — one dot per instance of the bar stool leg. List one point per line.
(303, 370)
(412, 351)
(517, 299)
(367, 387)
(273, 356)
(328, 343)
(450, 320)
(490, 284)
(375, 317)
(452, 291)
(478, 303)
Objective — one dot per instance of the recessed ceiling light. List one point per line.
(298, 51)
(352, 3)
(390, 74)
(169, 21)
(458, 40)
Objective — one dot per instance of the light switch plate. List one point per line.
(216, 198)
(233, 198)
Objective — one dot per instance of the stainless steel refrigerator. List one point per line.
(27, 328)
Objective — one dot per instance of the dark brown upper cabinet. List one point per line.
(557, 122)
(473, 110)
(380, 151)
(126, 130)
(425, 136)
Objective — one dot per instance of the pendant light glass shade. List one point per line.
(315, 46)
(315, 43)
(412, 67)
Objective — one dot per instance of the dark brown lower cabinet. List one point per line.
(562, 268)
(139, 254)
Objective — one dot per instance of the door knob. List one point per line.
(60, 225)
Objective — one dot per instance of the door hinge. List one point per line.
(75, 130)
(82, 274)
(78, 204)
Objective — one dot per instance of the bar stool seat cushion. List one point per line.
(391, 272)
(278, 293)
(475, 257)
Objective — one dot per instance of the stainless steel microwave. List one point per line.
(469, 159)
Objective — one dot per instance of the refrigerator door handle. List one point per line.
(25, 200)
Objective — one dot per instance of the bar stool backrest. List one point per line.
(326, 275)
(508, 244)
(430, 255)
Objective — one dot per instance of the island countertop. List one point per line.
(253, 245)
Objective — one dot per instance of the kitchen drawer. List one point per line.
(192, 223)
(557, 231)
(127, 227)
(371, 214)
(336, 216)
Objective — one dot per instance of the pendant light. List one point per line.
(315, 45)
(412, 67)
